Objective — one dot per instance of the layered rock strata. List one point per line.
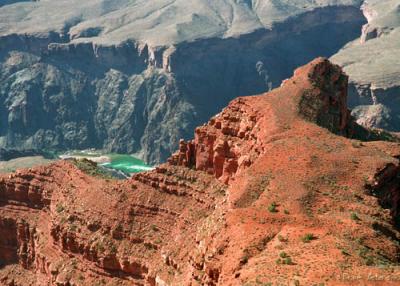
(268, 191)
(128, 77)
(372, 62)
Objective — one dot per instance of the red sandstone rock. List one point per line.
(228, 208)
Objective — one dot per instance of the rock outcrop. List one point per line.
(127, 77)
(270, 190)
(227, 143)
(231, 141)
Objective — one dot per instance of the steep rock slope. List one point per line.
(135, 76)
(373, 64)
(263, 194)
(158, 23)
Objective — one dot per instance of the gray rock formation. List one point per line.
(373, 64)
(136, 75)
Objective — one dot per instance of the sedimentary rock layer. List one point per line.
(373, 64)
(269, 191)
(127, 77)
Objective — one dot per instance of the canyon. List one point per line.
(373, 62)
(134, 77)
(280, 188)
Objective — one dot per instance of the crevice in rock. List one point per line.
(16, 243)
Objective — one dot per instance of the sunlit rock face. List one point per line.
(373, 64)
(267, 178)
(136, 76)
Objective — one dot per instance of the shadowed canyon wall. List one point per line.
(139, 99)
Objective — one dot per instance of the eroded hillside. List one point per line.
(270, 190)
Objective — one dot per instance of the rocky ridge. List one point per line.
(263, 194)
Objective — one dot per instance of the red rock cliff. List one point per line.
(232, 140)
(269, 191)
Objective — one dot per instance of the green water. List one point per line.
(126, 163)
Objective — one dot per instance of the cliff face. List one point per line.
(268, 191)
(77, 83)
(372, 62)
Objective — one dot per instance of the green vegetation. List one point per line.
(344, 252)
(284, 258)
(283, 254)
(272, 208)
(91, 168)
(245, 258)
(307, 237)
(287, 261)
(59, 208)
(354, 216)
